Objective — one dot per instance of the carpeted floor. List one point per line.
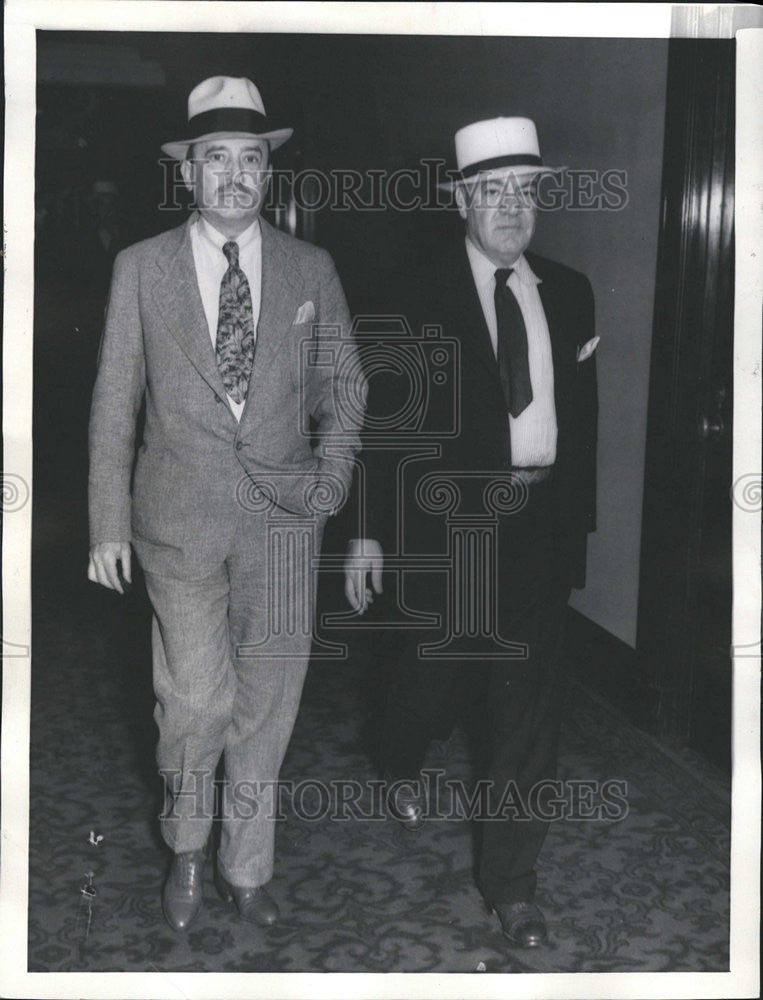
(646, 893)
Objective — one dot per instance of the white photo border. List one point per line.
(22, 19)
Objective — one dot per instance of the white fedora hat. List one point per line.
(226, 107)
(498, 146)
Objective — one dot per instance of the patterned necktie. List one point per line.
(234, 349)
(513, 365)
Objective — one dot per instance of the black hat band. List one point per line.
(515, 160)
(228, 120)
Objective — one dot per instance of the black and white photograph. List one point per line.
(381, 500)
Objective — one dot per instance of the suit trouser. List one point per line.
(519, 702)
(216, 698)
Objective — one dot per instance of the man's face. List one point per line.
(500, 215)
(228, 179)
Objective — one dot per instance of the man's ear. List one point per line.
(461, 200)
(186, 172)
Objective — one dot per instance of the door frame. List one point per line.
(693, 300)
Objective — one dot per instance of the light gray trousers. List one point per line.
(216, 699)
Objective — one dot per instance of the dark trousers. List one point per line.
(518, 701)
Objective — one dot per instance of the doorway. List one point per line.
(684, 624)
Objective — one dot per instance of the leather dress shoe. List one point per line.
(255, 905)
(182, 894)
(523, 924)
(406, 802)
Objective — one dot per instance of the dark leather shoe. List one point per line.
(523, 924)
(182, 894)
(256, 905)
(406, 802)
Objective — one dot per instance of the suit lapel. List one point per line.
(280, 297)
(465, 310)
(178, 301)
(562, 350)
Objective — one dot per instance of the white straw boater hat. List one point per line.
(498, 146)
(228, 108)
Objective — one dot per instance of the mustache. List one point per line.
(243, 183)
(246, 193)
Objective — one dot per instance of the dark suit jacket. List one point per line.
(443, 294)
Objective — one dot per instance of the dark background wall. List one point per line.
(107, 101)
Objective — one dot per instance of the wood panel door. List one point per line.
(684, 629)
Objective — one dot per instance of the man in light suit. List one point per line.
(242, 460)
(517, 475)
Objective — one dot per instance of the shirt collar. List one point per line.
(484, 269)
(218, 240)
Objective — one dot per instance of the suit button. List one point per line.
(239, 445)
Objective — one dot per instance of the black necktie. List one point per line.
(513, 365)
(234, 349)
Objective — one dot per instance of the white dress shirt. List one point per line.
(533, 432)
(211, 264)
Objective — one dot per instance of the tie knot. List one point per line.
(230, 249)
(502, 275)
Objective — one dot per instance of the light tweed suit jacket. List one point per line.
(179, 503)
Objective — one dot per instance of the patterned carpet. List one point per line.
(647, 893)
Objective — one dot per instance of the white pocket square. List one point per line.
(305, 313)
(587, 349)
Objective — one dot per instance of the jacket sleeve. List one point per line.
(337, 391)
(392, 371)
(117, 398)
(378, 466)
(589, 413)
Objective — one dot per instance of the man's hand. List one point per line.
(103, 564)
(364, 555)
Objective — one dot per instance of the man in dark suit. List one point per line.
(512, 468)
(243, 459)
